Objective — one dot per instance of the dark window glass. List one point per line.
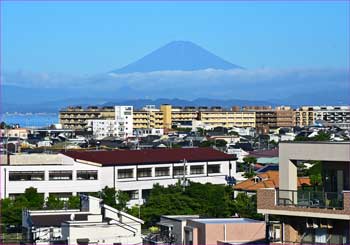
(86, 174)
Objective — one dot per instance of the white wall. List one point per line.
(103, 128)
(50, 186)
(124, 120)
(107, 176)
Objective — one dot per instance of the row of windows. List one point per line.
(53, 175)
(165, 171)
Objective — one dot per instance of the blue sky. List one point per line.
(93, 37)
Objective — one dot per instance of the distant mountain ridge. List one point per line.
(178, 55)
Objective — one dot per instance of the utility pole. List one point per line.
(184, 176)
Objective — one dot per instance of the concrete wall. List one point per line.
(307, 151)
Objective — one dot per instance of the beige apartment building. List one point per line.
(148, 119)
(307, 216)
(303, 116)
(227, 118)
(76, 117)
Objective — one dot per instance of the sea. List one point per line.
(35, 120)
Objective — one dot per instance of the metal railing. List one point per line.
(310, 199)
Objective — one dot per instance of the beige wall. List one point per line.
(166, 109)
(230, 232)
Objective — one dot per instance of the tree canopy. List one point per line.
(206, 200)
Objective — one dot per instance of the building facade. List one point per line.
(132, 171)
(77, 117)
(124, 120)
(309, 216)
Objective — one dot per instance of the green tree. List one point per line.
(249, 166)
(315, 174)
(109, 196)
(220, 143)
(246, 206)
(53, 202)
(207, 143)
(122, 199)
(321, 136)
(114, 198)
(35, 200)
(74, 202)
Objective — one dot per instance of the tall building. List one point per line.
(303, 116)
(267, 117)
(149, 117)
(124, 120)
(284, 116)
(167, 115)
(318, 215)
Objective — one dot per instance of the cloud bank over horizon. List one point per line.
(211, 83)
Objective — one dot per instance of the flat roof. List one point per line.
(180, 217)
(227, 221)
(150, 156)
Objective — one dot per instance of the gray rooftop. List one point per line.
(227, 221)
(180, 217)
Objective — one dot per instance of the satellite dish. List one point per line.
(72, 217)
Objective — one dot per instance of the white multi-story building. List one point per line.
(103, 128)
(132, 171)
(333, 115)
(124, 120)
(329, 115)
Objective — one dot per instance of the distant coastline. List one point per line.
(38, 119)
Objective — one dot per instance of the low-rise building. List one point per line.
(182, 229)
(132, 171)
(94, 223)
(21, 133)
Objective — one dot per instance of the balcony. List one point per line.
(310, 199)
(304, 203)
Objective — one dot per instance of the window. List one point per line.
(178, 170)
(214, 169)
(163, 171)
(197, 169)
(26, 175)
(125, 173)
(63, 196)
(144, 172)
(134, 195)
(86, 174)
(60, 175)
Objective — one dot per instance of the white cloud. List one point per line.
(239, 83)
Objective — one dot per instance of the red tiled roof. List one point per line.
(125, 157)
(270, 179)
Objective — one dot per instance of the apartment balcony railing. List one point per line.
(310, 199)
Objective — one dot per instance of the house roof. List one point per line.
(150, 156)
(269, 179)
(264, 153)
